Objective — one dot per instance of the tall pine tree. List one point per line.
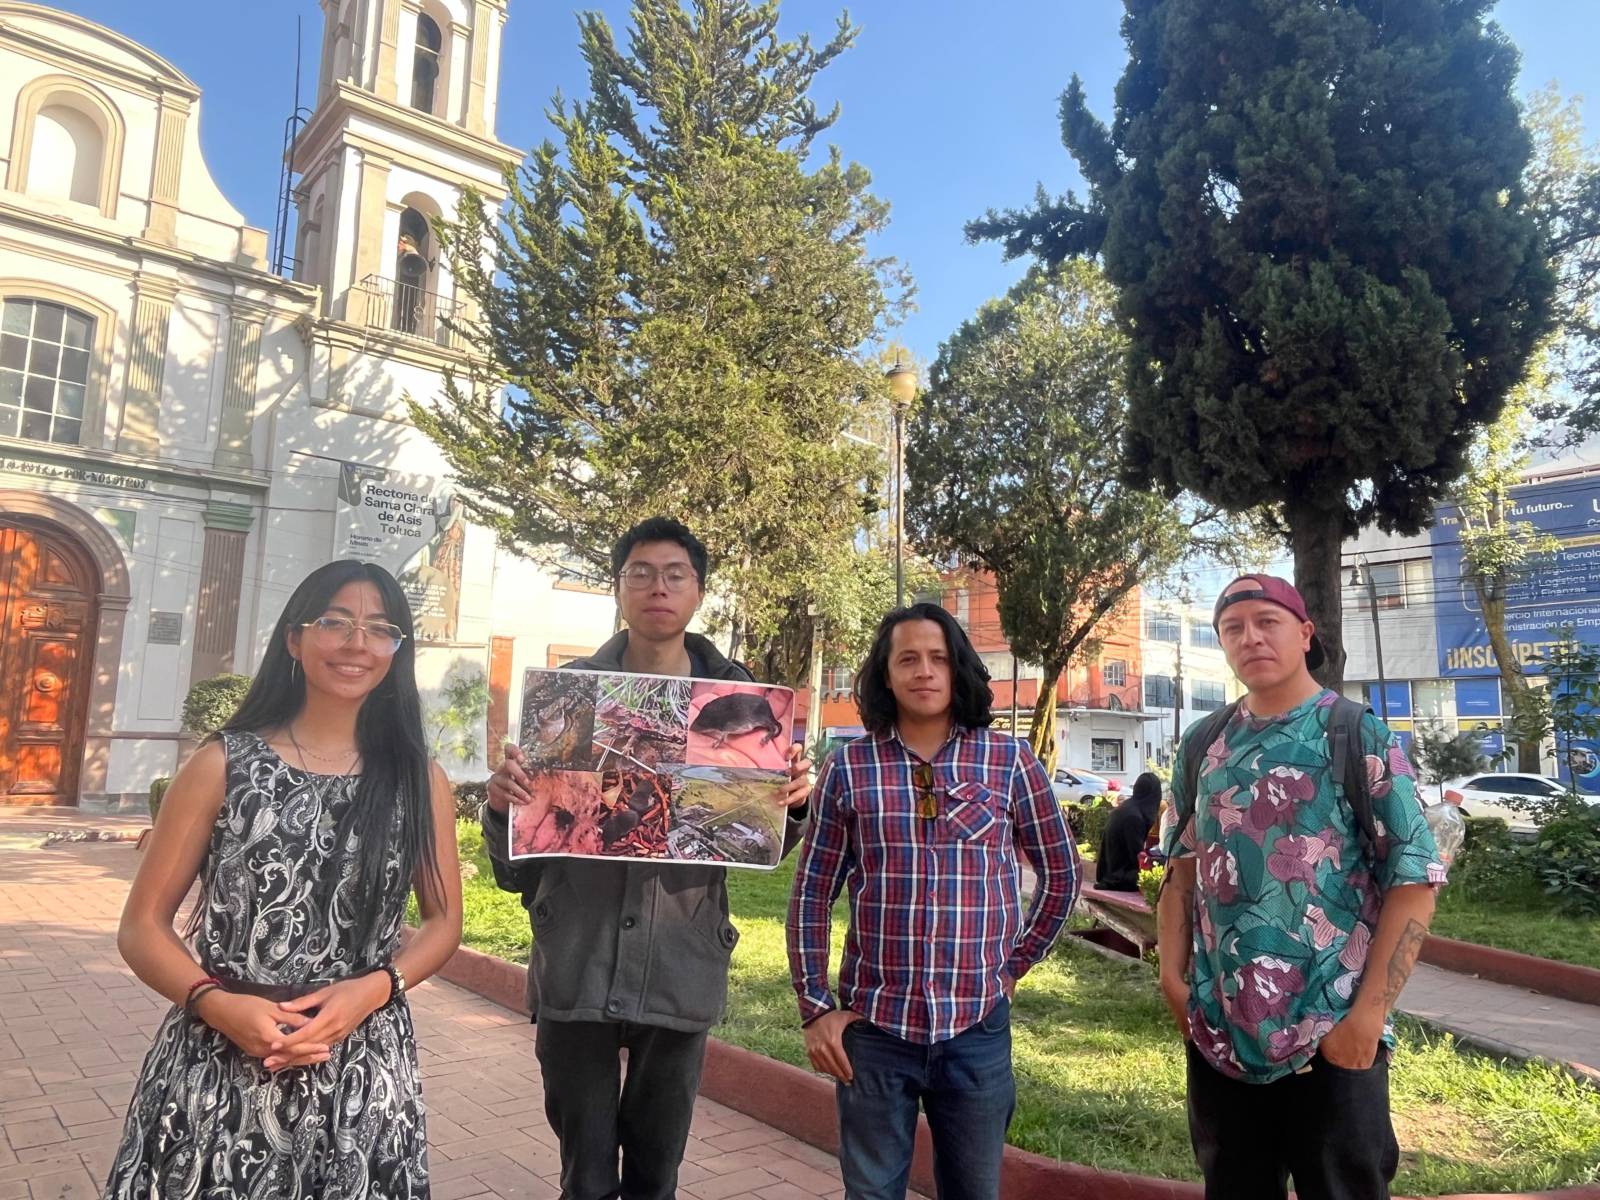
(678, 296)
(1314, 213)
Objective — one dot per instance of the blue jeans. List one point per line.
(965, 1086)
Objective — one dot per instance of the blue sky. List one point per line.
(951, 104)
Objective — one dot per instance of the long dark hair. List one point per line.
(970, 698)
(394, 753)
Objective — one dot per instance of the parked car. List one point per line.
(1073, 786)
(1485, 796)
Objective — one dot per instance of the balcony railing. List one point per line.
(407, 309)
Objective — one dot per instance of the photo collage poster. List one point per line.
(653, 767)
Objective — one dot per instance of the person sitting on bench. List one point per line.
(1117, 868)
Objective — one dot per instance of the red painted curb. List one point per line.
(801, 1104)
(1565, 980)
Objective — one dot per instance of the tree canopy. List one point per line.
(1012, 466)
(673, 309)
(1327, 267)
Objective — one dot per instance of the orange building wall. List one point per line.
(973, 599)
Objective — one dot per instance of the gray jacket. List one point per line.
(626, 941)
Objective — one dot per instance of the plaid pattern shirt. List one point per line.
(935, 905)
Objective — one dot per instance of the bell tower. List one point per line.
(403, 124)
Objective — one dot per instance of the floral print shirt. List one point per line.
(1285, 901)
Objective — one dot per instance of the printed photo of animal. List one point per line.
(596, 814)
(740, 725)
(641, 721)
(558, 715)
(564, 817)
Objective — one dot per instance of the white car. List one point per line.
(1485, 796)
(1073, 786)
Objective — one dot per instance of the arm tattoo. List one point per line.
(1403, 959)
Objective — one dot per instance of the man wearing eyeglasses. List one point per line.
(629, 955)
(923, 820)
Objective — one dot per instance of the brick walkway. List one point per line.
(75, 1024)
(1508, 1016)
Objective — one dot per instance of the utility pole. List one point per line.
(814, 675)
(1177, 690)
(1014, 677)
(1377, 636)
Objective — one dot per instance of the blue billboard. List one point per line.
(1561, 589)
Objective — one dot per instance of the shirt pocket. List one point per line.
(973, 816)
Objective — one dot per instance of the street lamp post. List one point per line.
(902, 391)
(1377, 634)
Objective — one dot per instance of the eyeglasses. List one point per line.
(638, 576)
(334, 632)
(927, 798)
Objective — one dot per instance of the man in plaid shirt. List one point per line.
(922, 819)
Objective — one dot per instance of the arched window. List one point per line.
(67, 156)
(44, 369)
(425, 66)
(413, 298)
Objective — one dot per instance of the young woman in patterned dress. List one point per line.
(286, 1067)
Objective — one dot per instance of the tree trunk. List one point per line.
(1317, 538)
(735, 635)
(1516, 684)
(1043, 736)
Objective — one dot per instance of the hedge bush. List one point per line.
(211, 702)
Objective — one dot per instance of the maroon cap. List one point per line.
(1274, 591)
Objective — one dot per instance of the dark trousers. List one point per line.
(1329, 1128)
(965, 1086)
(596, 1112)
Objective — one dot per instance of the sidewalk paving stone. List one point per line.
(74, 1025)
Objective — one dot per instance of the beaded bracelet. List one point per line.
(397, 981)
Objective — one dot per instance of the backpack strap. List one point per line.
(1348, 763)
(1201, 736)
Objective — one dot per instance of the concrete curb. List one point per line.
(801, 1104)
(1567, 981)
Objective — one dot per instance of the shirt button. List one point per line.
(628, 922)
(613, 1006)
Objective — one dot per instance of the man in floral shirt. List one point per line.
(1284, 940)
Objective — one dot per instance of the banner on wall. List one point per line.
(415, 530)
(1563, 589)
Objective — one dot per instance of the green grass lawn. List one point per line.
(1525, 920)
(1100, 1071)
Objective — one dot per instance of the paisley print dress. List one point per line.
(279, 906)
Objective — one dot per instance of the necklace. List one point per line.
(353, 756)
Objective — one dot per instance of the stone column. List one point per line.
(239, 392)
(140, 432)
(383, 81)
(370, 258)
(482, 22)
(216, 626)
(163, 217)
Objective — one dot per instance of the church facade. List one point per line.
(185, 434)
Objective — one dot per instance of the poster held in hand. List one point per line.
(653, 767)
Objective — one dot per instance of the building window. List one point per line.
(575, 574)
(1158, 691)
(1105, 755)
(1114, 673)
(1203, 637)
(1398, 584)
(425, 64)
(1161, 627)
(44, 370)
(1207, 695)
(837, 682)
